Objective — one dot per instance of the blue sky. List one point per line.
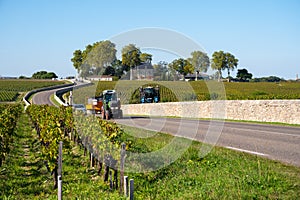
(42, 35)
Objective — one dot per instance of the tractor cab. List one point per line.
(149, 94)
(111, 105)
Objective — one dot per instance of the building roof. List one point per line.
(145, 66)
(100, 76)
(200, 75)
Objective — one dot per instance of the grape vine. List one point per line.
(9, 114)
(101, 138)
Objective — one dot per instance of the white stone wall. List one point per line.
(285, 111)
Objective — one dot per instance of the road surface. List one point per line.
(43, 97)
(275, 142)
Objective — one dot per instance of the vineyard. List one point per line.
(197, 90)
(11, 89)
(100, 138)
(8, 95)
(187, 177)
(9, 114)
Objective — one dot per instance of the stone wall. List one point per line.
(285, 111)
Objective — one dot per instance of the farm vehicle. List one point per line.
(94, 105)
(149, 94)
(108, 105)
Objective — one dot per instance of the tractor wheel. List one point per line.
(120, 114)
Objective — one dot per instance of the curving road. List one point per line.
(280, 143)
(43, 97)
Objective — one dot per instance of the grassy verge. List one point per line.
(221, 174)
(53, 100)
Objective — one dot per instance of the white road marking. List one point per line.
(262, 131)
(246, 151)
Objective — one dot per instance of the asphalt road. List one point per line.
(275, 142)
(43, 97)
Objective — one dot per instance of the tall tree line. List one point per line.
(100, 59)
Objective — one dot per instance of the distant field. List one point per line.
(263, 90)
(11, 89)
(190, 91)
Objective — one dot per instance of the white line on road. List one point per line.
(246, 151)
(262, 131)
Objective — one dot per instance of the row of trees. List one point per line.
(40, 75)
(100, 59)
(44, 75)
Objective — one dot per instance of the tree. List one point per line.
(243, 74)
(200, 61)
(77, 59)
(222, 61)
(218, 62)
(94, 58)
(101, 55)
(182, 66)
(85, 70)
(268, 79)
(131, 57)
(188, 68)
(50, 75)
(161, 71)
(146, 57)
(44, 75)
(23, 77)
(87, 50)
(109, 71)
(118, 67)
(231, 63)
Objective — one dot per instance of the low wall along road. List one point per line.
(283, 111)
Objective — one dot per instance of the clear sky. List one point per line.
(42, 34)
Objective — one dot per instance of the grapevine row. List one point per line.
(8, 95)
(25, 85)
(9, 114)
(52, 125)
(101, 138)
(171, 91)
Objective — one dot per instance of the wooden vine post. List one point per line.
(126, 186)
(131, 189)
(59, 172)
(122, 163)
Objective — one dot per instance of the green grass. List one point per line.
(222, 174)
(196, 90)
(53, 100)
